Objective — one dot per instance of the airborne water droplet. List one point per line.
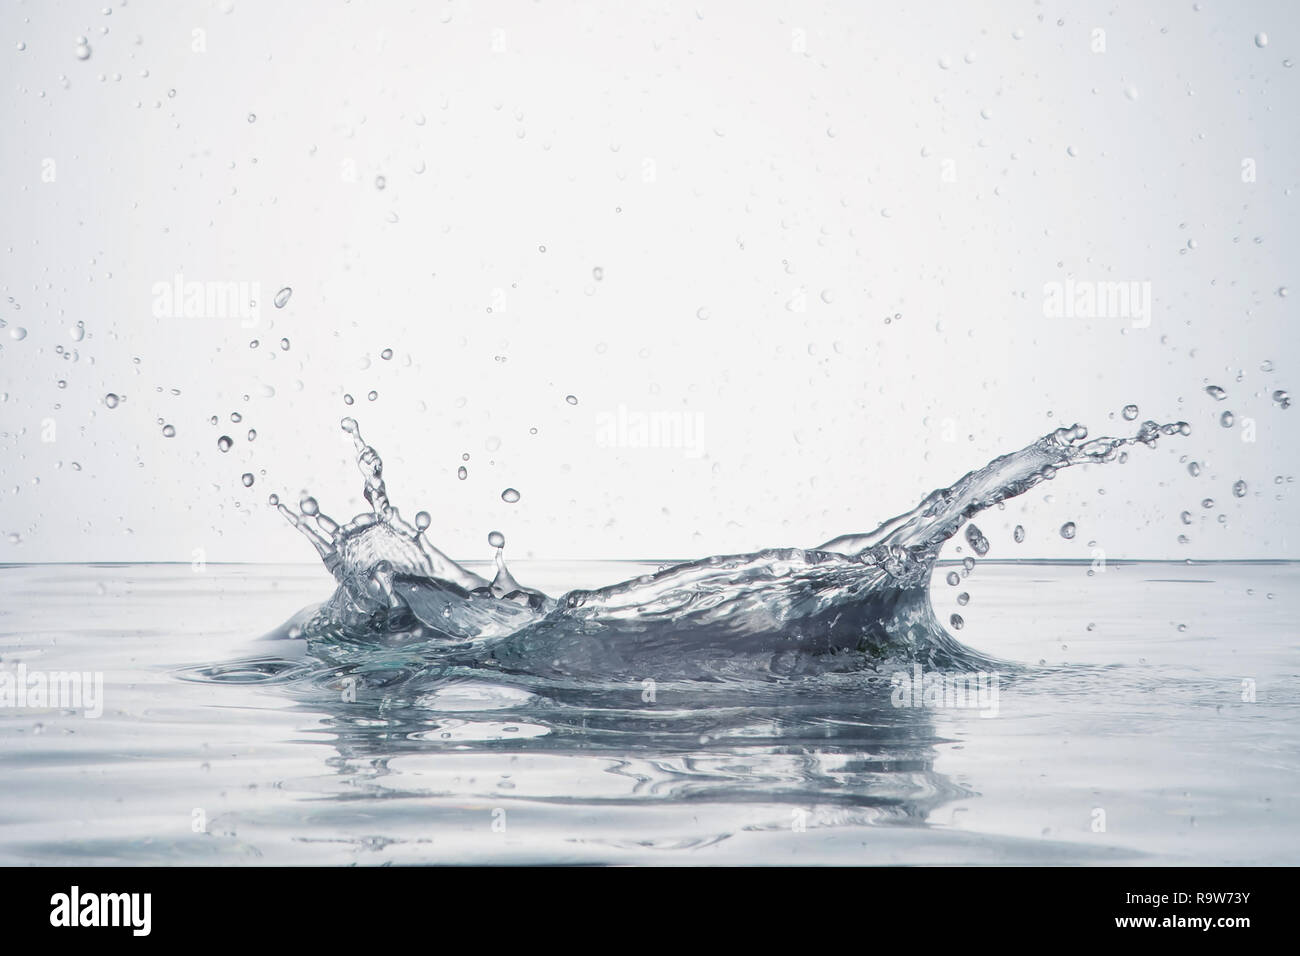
(1226, 419)
(247, 479)
(422, 520)
(308, 505)
(169, 431)
(1019, 534)
(963, 599)
(282, 297)
(1261, 40)
(1068, 530)
(111, 400)
(571, 399)
(1239, 489)
(1282, 397)
(1215, 393)
(224, 443)
(1194, 468)
(497, 539)
(953, 578)
(462, 473)
(1130, 412)
(957, 622)
(510, 496)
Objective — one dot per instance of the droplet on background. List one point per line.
(224, 443)
(510, 496)
(282, 297)
(111, 400)
(1239, 488)
(1130, 412)
(1068, 530)
(247, 479)
(571, 399)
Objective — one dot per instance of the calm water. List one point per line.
(1136, 723)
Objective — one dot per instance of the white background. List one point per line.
(795, 148)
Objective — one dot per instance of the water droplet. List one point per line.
(380, 182)
(975, 538)
(422, 520)
(1186, 517)
(462, 473)
(1019, 534)
(957, 622)
(1215, 393)
(510, 496)
(963, 599)
(1207, 503)
(828, 296)
(497, 539)
(1068, 530)
(372, 395)
(224, 443)
(282, 297)
(82, 49)
(284, 345)
(571, 399)
(252, 434)
(252, 117)
(1282, 397)
(247, 479)
(111, 400)
(273, 499)
(1261, 40)
(1226, 419)
(169, 431)
(18, 332)
(1194, 469)
(1130, 412)
(1239, 488)
(598, 273)
(702, 314)
(953, 578)
(386, 354)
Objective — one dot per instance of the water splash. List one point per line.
(855, 603)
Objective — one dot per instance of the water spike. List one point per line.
(323, 546)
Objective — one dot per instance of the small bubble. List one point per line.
(1067, 530)
(247, 479)
(510, 496)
